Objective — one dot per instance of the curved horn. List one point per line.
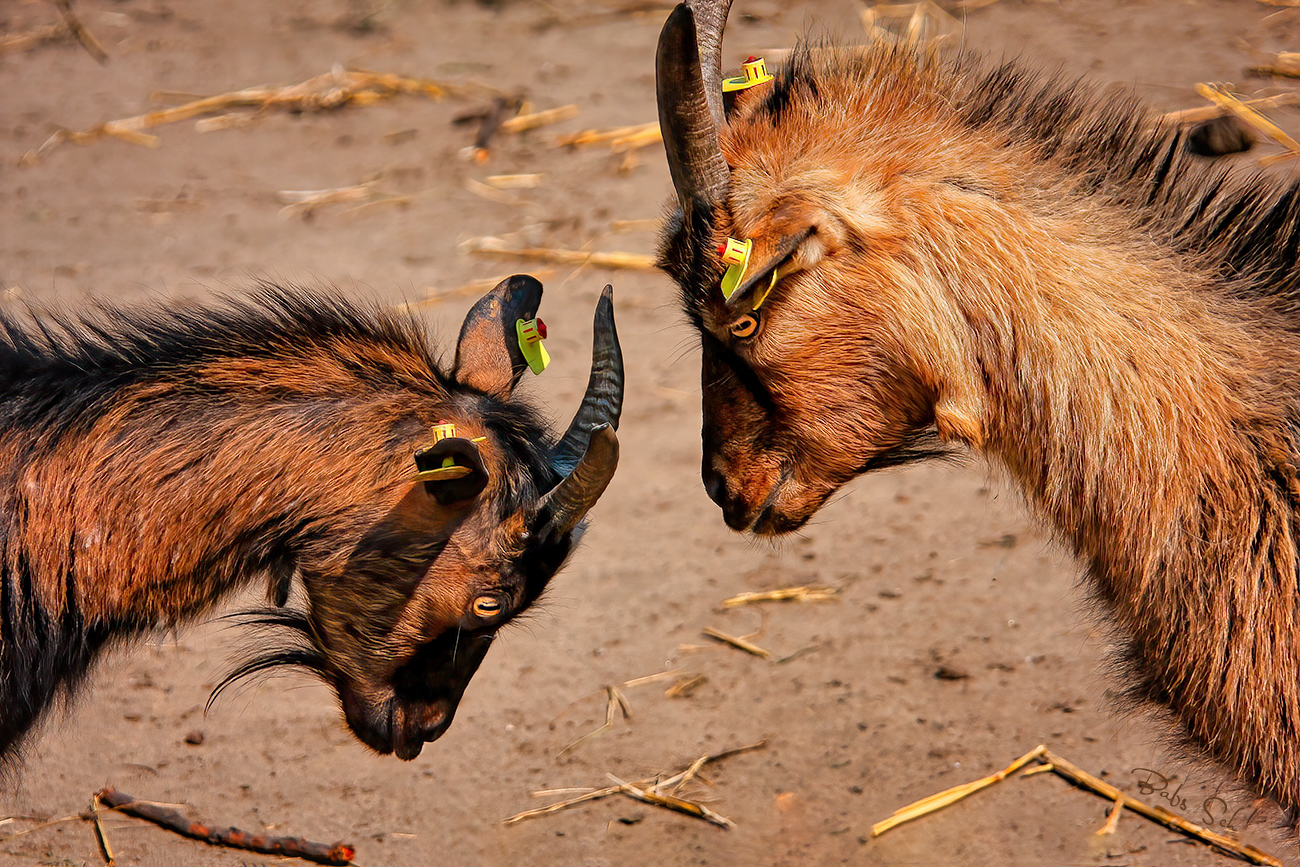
(710, 21)
(603, 401)
(689, 91)
(570, 500)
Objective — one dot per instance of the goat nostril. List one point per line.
(715, 484)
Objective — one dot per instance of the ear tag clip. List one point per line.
(755, 73)
(768, 291)
(736, 256)
(449, 469)
(531, 334)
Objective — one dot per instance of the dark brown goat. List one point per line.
(951, 254)
(156, 461)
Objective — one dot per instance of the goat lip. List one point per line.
(407, 750)
(770, 523)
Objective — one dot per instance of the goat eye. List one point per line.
(486, 607)
(745, 326)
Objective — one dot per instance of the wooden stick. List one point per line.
(613, 790)
(1085, 780)
(671, 802)
(1112, 817)
(738, 643)
(1286, 63)
(1207, 112)
(684, 686)
(34, 38)
(782, 594)
(1227, 101)
(1160, 815)
(84, 36)
(651, 678)
(292, 847)
(332, 90)
(100, 837)
(496, 247)
(78, 817)
(925, 806)
(601, 136)
(686, 776)
(525, 122)
(614, 699)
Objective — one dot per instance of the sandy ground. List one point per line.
(939, 566)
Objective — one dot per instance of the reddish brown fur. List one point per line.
(156, 468)
(1079, 318)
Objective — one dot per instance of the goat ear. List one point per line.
(488, 357)
(452, 470)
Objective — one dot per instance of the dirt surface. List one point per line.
(941, 571)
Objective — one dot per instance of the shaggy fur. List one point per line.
(154, 461)
(1047, 277)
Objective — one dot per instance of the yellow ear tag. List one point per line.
(531, 334)
(449, 469)
(736, 255)
(768, 291)
(755, 73)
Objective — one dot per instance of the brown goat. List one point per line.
(159, 460)
(947, 254)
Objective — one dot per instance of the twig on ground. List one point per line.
(1112, 817)
(84, 36)
(615, 701)
(938, 801)
(1257, 121)
(1062, 768)
(672, 802)
(293, 847)
(532, 120)
(490, 246)
(1171, 820)
(738, 643)
(685, 686)
(783, 594)
(100, 837)
(30, 39)
(658, 785)
(1207, 112)
(334, 89)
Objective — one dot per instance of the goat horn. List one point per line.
(710, 21)
(570, 500)
(603, 401)
(689, 88)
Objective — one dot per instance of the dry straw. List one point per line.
(653, 790)
(1062, 768)
(334, 89)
